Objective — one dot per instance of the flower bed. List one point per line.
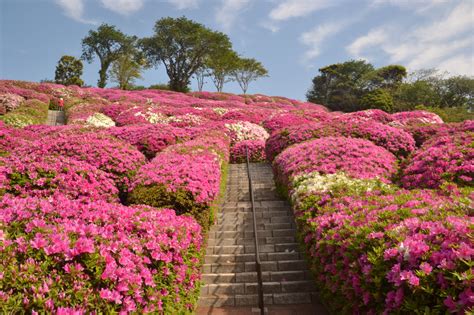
(284, 120)
(186, 177)
(81, 258)
(395, 140)
(30, 112)
(44, 175)
(244, 130)
(446, 158)
(395, 253)
(256, 151)
(415, 117)
(115, 157)
(358, 158)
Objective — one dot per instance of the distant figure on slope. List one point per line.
(61, 103)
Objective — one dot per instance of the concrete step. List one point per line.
(247, 249)
(249, 226)
(228, 258)
(234, 267)
(237, 220)
(250, 240)
(248, 214)
(252, 288)
(250, 234)
(219, 300)
(249, 277)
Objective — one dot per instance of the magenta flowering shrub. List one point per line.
(284, 120)
(358, 158)
(110, 155)
(424, 132)
(372, 114)
(186, 182)
(256, 151)
(396, 253)
(395, 140)
(84, 258)
(44, 175)
(445, 158)
(149, 139)
(114, 110)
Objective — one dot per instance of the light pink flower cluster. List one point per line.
(445, 158)
(415, 117)
(244, 130)
(358, 158)
(80, 258)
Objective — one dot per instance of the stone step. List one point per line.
(267, 276)
(250, 240)
(249, 226)
(250, 234)
(252, 288)
(247, 249)
(234, 267)
(228, 258)
(219, 300)
(230, 220)
(248, 214)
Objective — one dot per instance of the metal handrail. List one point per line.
(257, 253)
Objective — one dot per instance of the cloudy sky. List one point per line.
(292, 38)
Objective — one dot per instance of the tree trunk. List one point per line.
(102, 77)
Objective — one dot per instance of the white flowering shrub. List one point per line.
(100, 120)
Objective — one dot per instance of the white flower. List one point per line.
(100, 120)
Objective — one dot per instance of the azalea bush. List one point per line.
(68, 257)
(357, 158)
(415, 117)
(391, 253)
(44, 175)
(118, 159)
(256, 151)
(445, 158)
(395, 140)
(284, 120)
(244, 130)
(185, 177)
(30, 112)
(100, 120)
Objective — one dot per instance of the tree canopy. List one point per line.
(248, 70)
(182, 45)
(69, 71)
(108, 44)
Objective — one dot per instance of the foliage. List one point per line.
(182, 46)
(108, 44)
(69, 71)
(248, 70)
(125, 70)
(450, 114)
(220, 65)
(377, 99)
(256, 151)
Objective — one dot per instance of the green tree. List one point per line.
(108, 44)
(69, 71)
(340, 86)
(248, 70)
(379, 99)
(220, 67)
(457, 91)
(183, 46)
(125, 70)
(389, 77)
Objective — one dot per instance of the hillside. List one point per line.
(112, 211)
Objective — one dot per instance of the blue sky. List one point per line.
(292, 38)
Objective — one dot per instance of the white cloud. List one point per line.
(315, 37)
(74, 9)
(431, 45)
(124, 7)
(296, 8)
(227, 13)
(373, 38)
(184, 4)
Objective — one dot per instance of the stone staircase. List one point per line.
(229, 271)
(56, 118)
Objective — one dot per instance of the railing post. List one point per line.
(257, 253)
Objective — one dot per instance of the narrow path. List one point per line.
(229, 275)
(56, 118)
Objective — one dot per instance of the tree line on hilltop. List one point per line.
(185, 48)
(357, 85)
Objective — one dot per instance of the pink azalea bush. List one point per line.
(256, 151)
(396, 253)
(44, 175)
(279, 121)
(445, 158)
(86, 258)
(393, 139)
(372, 114)
(358, 158)
(185, 177)
(115, 157)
